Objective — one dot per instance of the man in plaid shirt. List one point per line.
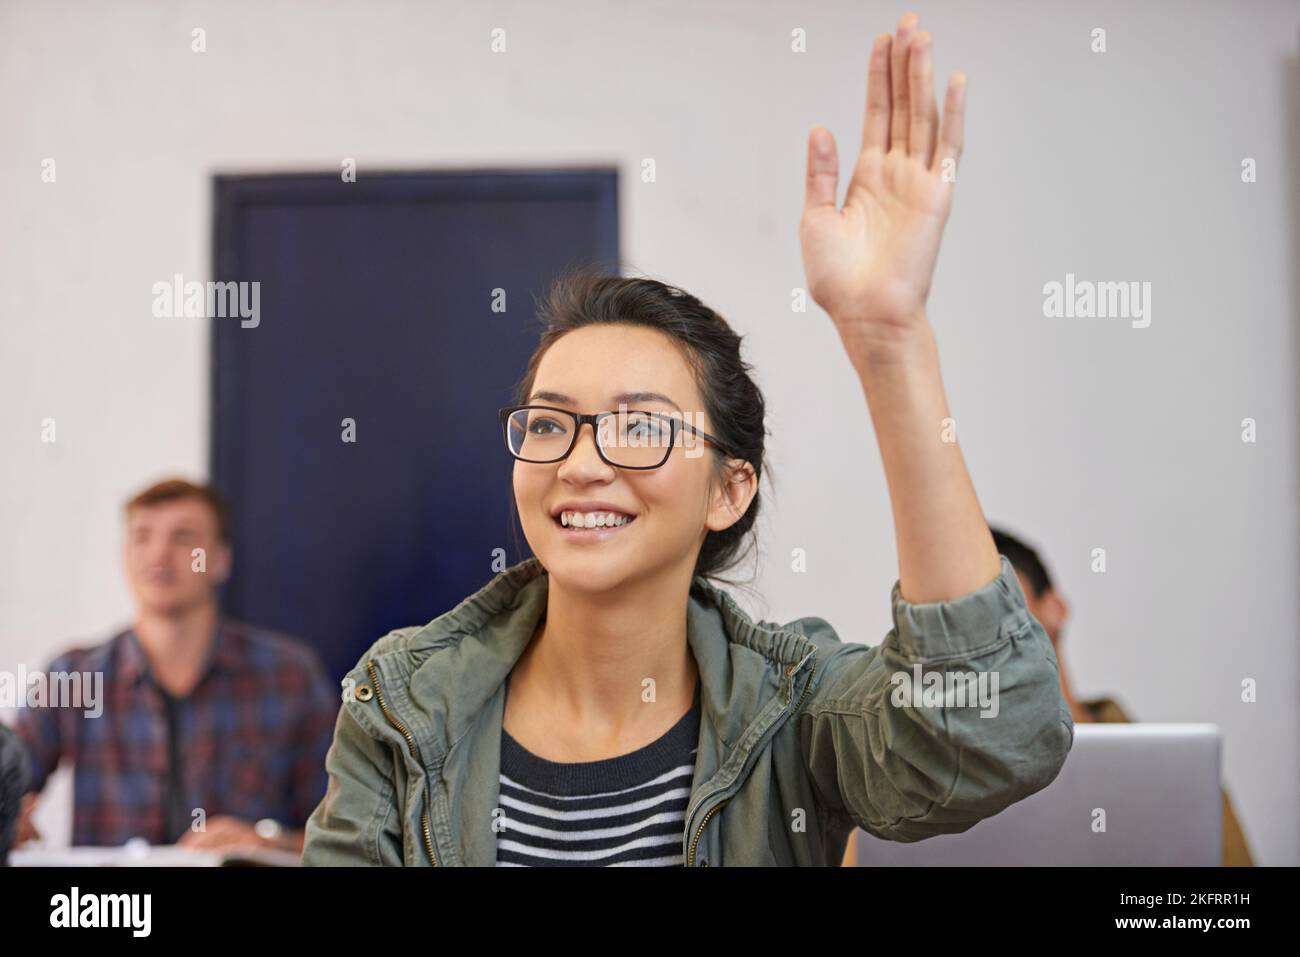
(210, 733)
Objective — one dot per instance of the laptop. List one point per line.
(1158, 785)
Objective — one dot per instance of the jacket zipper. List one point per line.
(410, 743)
(690, 856)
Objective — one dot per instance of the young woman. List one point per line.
(604, 702)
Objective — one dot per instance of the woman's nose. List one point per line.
(585, 455)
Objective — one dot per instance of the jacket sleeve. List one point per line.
(895, 756)
(13, 785)
(357, 822)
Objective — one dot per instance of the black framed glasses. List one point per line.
(626, 439)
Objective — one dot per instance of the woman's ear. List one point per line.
(732, 496)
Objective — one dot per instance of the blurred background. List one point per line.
(495, 143)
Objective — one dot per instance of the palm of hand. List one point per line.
(870, 263)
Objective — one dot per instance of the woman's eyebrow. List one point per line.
(621, 398)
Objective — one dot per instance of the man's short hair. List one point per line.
(169, 490)
(1023, 559)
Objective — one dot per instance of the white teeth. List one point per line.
(593, 519)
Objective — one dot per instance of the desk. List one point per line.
(145, 855)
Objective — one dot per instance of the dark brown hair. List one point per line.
(169, 490)
(1023, 559)
(584, 296)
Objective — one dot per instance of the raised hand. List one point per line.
(869, 264)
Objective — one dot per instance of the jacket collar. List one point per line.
(443, 685)
(441, 679)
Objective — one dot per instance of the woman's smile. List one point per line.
(591, 527)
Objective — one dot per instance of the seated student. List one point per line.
(1051, 610)
(210, 733)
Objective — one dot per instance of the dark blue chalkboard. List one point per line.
(376, 305)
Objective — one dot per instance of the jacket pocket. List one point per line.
(358, 820)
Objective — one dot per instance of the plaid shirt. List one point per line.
(253, 736)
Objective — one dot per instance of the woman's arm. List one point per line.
(869, 264)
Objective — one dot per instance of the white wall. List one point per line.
(1079, 433)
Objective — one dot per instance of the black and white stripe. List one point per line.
(627, 811)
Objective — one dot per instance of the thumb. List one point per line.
(823, 170)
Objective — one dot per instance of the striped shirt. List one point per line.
(626, 811)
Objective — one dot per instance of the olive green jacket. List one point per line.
(802, 737)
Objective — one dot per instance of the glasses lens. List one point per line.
(539, 435)
(636, 439)
(628, 439)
